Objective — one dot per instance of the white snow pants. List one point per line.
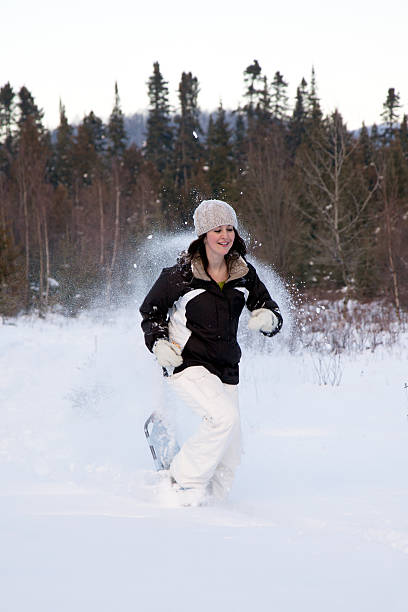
(211, 455)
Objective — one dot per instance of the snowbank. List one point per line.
(317, 519)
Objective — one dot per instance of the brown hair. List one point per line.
(197, 247)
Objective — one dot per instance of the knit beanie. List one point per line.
(213, 213)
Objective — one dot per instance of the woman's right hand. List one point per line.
(168, 354)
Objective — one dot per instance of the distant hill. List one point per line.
(136, 125)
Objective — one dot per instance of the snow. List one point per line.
(317, 519)
(54, 284)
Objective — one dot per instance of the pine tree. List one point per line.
(188, 149)
(258, 105)
(29, 109)
(376, 141)
(299, 116)
(64, 146)
(116, 129)
(375, 136)
(390, 113)
(279, 98)
(96, 132)
(159, 138)
(7, 118)
(7, 127)
(220, 157)
(89, 148)
(264, 107)
(365, 146)
(314, 111)
(254, 88)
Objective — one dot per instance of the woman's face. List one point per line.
(219, 240)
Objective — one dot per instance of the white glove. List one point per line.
(263, 319)
(167, 353)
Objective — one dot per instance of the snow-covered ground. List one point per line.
(317, 520)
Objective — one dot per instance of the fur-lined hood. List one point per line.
(238, 268)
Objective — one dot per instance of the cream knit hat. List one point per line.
(213, 213)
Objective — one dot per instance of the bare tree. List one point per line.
(394, 217)
(33, 197)
(116, 233)
(101, 223)
(268, 195)
(335, 197)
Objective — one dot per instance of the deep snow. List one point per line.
(317, 520)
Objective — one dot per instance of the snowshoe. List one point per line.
(162, 441)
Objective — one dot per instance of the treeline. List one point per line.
(326, 206)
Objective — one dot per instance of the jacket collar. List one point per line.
(238, 268)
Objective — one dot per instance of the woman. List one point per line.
(190, 322)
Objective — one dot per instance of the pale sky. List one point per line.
(77, 50)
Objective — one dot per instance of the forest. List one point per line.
(327, 207)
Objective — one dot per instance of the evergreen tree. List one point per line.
(299, 116)
(90, 147)
(96, 132)
(374, 136)
(365, 146)
(116, 129)
(7, 110)
(7, 126)
(279, 98)
(220, 157)
(264, 107)
(390, 113)
(314, 111)
(188, 149)
(303, 92)
(258, 108)
(159, 138)
(29, 109)
(63, 167)
(254, 88)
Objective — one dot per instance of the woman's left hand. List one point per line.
(264, 320)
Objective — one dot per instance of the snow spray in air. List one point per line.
(160, 250)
